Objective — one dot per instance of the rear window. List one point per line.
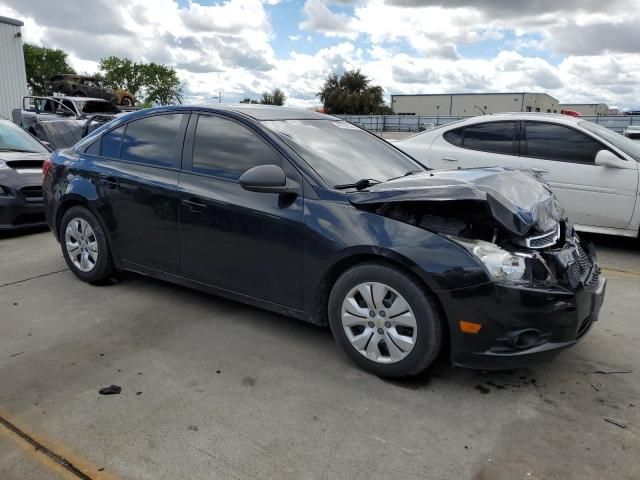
(152, 140)
(495, 137)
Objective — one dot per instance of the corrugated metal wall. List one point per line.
(13, 79)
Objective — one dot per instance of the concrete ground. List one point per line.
(213, 389)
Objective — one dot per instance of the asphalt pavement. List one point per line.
(213, 389)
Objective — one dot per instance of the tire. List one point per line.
(97, 266)
(403, 357)
(127, 102)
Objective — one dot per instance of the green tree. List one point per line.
(153, 83)
(41, 64)
(162, 85)
(352, 93)
(123, 74)
(275, 97)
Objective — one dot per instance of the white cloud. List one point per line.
(228, 45)
(320, 18)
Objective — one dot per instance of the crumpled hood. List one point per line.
(515, 199)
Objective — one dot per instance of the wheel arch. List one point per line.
(74, 200)
(389, 258)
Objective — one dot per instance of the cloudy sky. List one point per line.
(576, 50)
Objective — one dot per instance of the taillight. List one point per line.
(47, 165)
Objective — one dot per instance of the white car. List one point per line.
(592, 170)
(633, 132)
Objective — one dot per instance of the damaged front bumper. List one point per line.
(525, 324)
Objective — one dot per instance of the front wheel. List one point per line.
(84, 246)
(384, 320)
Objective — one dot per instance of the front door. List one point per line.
(592, 195)
(244, 242)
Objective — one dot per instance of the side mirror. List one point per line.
(268, 179)
(605, 158)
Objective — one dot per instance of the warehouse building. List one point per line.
(13, 78)
(469, 104)
(588, 109)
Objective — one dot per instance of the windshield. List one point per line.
(342, 153)
(92, 106)
(629, 147)
(13, 138)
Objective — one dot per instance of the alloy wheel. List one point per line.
(81, 244)
(379, 322)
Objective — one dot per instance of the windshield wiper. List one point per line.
(411, 172)
(359, 185)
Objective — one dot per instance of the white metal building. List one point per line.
(469, 104)
(588, 109)
(13, 77)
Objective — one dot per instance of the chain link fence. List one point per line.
(412, 123)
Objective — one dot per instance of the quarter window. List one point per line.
(494, 137)
(227, 149)
(111, 143)
(454, 136)
(556, 142)
(152, 140)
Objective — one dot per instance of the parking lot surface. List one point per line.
(215, 389)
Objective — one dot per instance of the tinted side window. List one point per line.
(111, 143)
(227, 149)
(556, 142)
(93, 149)
(454, 136)
(496, 137)
(152, 140)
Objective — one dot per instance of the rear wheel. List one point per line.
(84, 245)
(126, 102)
(384, 320)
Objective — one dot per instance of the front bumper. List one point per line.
(550, 320)
(18, 211)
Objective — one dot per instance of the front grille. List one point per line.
(32, 194)
(546, 240)
(25, 164)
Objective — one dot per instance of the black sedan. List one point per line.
(307, 215)
(21, 159)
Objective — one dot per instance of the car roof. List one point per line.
(272, 112)
(532, 116)
(256, 112)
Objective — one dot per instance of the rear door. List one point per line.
(138, 165)
(487, 144)
(565, 157)
(245, 242)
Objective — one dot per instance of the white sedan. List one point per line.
(633, 132)
(592, 170)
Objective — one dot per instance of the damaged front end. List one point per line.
(507, 219)
(546, 289)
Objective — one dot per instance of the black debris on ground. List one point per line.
(110, 390)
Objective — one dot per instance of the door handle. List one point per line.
(541, 171)
(111, 182)
(449, 159)
(193, 205)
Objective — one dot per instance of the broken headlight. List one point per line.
(502, 266)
